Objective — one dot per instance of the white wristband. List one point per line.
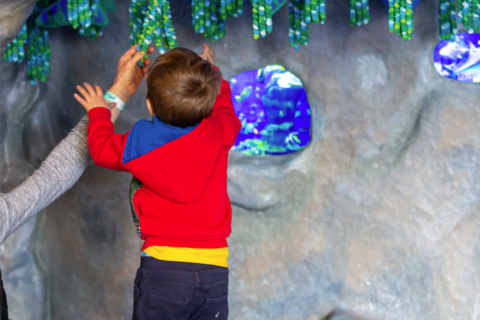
(113, 98)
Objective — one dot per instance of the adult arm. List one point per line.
(66, 163)
(60, 170)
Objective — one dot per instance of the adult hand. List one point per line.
(207, 54)
(92, 97)
(129, 73)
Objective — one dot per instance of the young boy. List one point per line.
(180, 157)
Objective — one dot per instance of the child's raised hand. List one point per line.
(207, 54)
(92, 98)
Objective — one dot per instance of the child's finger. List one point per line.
(206, 49)
(99, 91)
(84, 92)
(80, 99)
(90, 89)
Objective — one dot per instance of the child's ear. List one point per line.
(149, 106)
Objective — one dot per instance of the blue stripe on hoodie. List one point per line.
(146, 136)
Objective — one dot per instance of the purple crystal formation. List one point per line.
(459, 60)
(272, 105)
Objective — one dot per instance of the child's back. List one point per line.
(184, 213)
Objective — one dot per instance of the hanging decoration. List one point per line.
(38, 52)
(234, 8)
(401, 18)
(262, 18)
(210, 16)
(469, 15)
(89, 16)
(359, 12)
(301, 14)
(447, 19)
(15, 51)
(152, 21)
(38, 47)
(298, 29)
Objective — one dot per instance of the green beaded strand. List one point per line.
(151, 21)
(38, 51)
(15, 51)
(401, 18)
(262, 18)
(210, 17)
(359, 12)
(447, 20)
(469, 15)
(299, 27)
(80, 14)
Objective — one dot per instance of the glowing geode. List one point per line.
(272, 105)
(459, 60)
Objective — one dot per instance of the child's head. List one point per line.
(182, 88)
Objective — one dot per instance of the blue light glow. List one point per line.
(459, 60)
(273, 107)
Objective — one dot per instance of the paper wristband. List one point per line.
(113, 98)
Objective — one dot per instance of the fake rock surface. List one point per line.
(379, 214)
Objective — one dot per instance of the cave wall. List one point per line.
(378, 215)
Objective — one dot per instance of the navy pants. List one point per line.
(166, 290)
(3, 301)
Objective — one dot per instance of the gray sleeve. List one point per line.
(58, 173)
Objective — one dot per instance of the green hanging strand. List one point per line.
(318, 11)
(298, 23)
(301, 14)
(38, 52)
(168, 32)
(15, 51)
(262, 18)
(447, 19)
(151, 21)
(256, 19)
(469, 15)
(234, 8)
(401, 18)
(359, 12)
(210, 16)
(80, 14)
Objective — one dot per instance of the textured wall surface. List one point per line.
(378, 215)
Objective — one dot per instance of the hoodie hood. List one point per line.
(179, 170)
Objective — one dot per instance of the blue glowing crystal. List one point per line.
(459, 60)
(272, 105)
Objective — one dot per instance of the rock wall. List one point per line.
(378, 215)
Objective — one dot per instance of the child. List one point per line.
(180, 157)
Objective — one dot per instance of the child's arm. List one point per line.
(105, 146)
(223, 109)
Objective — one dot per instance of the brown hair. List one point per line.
(182, 87)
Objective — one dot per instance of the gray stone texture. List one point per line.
(379, 215)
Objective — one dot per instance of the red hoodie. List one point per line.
(183, 201)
